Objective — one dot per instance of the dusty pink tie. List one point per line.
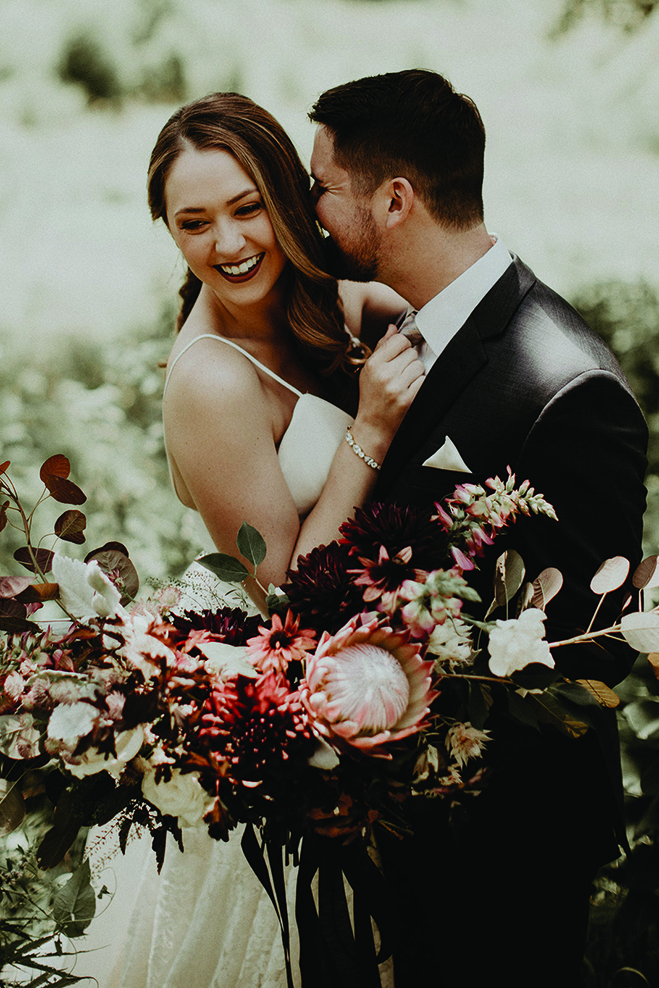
(409, 328)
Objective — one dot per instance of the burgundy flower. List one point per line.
(396, 528)
(321, 590)
(231, 624)
(256, 726)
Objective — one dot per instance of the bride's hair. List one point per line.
(234, 123)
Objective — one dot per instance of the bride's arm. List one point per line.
(369, 308)
(219, 434)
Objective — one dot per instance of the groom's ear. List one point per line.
(398, 199)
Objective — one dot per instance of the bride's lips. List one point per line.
(245, 276)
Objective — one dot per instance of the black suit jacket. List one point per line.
(526, 383)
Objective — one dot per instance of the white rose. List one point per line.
(182, 797)
(515, 644)
(69, 722)
(127, 744)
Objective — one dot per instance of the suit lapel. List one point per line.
(463, 357)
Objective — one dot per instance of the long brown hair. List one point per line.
(234, 123)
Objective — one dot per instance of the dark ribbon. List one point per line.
(331, 952)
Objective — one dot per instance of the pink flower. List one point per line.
(274, 647)
(367, 686)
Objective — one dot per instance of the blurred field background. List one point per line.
(568, 90)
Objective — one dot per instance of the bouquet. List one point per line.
(367, 684)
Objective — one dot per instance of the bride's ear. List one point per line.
(400, 199)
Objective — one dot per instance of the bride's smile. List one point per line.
(218, 220)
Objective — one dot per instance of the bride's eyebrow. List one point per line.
(230, 202)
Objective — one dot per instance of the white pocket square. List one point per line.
(447, 457)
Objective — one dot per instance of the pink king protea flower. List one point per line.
(367, 686)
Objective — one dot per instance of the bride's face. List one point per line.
(217, 218)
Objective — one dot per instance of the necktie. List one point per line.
(409, 328)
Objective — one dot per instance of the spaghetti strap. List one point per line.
(222, 339)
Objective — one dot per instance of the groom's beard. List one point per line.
(355, 259)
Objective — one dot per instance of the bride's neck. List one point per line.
(264, 322)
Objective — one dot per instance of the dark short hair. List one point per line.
(411, 124)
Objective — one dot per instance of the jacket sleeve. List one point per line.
(586, 454)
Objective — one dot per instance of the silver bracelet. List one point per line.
(356, 448)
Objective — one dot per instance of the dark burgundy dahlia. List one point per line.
(321, 591)
(397, 528)
(231, 624)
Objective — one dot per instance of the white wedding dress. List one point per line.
(205, 921)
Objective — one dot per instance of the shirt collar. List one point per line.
(440, 319)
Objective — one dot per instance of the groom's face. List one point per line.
(351, 250)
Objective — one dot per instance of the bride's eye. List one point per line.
(192, 225)
(249, 209)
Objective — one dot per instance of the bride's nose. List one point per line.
(229, 240)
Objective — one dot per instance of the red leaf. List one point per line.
(3, 515)
(11, 609)
(12, 585)
(3, 466)
(63, 491)
(44, 558)
(70, 526)
(119, 568)
(55, 466)
(645, 574)
(108, 547)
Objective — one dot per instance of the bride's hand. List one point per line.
(389, 382)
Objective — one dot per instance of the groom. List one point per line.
(514, 377)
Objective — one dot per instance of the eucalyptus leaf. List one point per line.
(641, 630)
(646, 574)
(610, 575)
(251, 544)
(225, 567)
(546, 586)
(508, 576)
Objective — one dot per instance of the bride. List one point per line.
(262, 424)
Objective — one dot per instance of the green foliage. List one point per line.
(85, 63)
(100, 405)
(628, 15)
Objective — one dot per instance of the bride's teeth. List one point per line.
(243, 268)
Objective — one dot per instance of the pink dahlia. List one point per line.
(367, 686)
(274, 647)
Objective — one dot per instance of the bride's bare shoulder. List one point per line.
(369, 308)
(204, 367)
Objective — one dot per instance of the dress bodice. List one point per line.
(312, 438)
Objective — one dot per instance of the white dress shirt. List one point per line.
(440, 319)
